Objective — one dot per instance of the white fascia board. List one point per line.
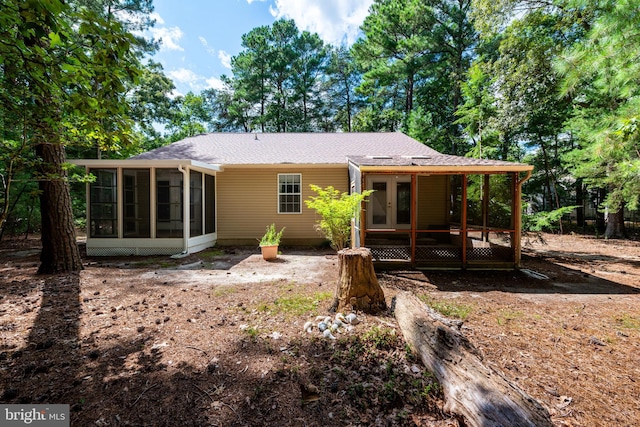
(144, 163)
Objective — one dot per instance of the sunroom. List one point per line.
(142, 207)
(439, 211)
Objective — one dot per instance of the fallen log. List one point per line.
(482, 396)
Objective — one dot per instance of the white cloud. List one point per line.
(184, 75)
(251, 1)
(169, 36)
(335, 21)
(225, 59)
(156, 17)
(174, 94)
(194, 81)
(214, 83)
(211, 51)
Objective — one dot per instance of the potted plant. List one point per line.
(270, 242)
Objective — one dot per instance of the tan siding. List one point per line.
(248, 202)
(432, 201)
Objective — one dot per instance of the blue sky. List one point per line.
(199, 37)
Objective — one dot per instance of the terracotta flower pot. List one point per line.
(269, 252)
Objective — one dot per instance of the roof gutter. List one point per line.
(449, 169)
(185, 209)
(145, 163)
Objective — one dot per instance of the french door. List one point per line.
(389, 206)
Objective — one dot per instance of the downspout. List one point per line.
(185, 209)
(518, 217)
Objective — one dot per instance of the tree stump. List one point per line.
(358, 286)
(476, 392)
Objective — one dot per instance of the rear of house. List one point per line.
(226, 188)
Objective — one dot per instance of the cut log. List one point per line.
(358, 286)
(482, 396)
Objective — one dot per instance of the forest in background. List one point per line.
(551, 83)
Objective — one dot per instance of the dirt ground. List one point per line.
(217, 338)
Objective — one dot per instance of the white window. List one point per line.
(290, 193)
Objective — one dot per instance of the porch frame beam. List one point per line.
(463, 221)
(414, 215)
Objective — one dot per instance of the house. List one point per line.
(427, 209)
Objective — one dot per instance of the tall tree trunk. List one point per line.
(579, 203)
(615, 225)
(60, 252)
(348, 103)
(600, 220)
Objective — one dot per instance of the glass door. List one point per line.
(379, 204)
(403, 204)
(389, 206)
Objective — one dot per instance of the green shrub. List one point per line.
(336, 209)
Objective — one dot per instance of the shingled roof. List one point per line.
(390, 149)
(428, 160)
(288, 148)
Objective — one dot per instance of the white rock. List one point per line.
(352, 319)
(308, 326)
(327, 334)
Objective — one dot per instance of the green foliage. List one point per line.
(600, 74)
(545, 221)
(416, 53)
(507, 315)
(252, 331)
(66, 71)
(271, 237)
(448, 308)
(277, 83)
(188, 116)
(298, 305)
(337, 210)
(343, 76)
(380, 338)
(625, 320)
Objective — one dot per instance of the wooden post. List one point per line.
(463, 221)
(517, 216)
(358, 286)
(485, 209)
(414, 217)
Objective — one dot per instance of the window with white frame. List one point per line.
(290, 193)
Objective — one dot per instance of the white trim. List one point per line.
(199, 243)
(153, 199)
(299, 194)
(136, 164)
(186, 205)
(120, 202)
(132, 242)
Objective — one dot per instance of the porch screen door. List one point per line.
(379, 217)
(390, 204)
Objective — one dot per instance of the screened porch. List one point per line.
(429, 218)
(150, 208)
